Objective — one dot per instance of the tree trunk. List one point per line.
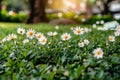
(106, 6)
(89, 11)
(0, 9)
(31, 15)
(37, 11)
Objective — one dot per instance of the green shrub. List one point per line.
(6, 17)
(22, 17)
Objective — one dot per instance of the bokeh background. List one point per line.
(56, 11)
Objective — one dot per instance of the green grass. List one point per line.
(6, 28)
(58, 59)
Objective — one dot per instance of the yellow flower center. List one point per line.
(30, 33)
(21, 31)
(66, 37)
(11, 37)
(110, 38)
(38, 36)
(86, 42)
(43, 40)
(99, 53)
(81, 45)
(78, 31)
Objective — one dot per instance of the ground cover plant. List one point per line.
(62, 52)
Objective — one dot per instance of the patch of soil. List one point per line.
(62, 21)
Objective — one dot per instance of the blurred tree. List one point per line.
(12, 5)
(89, 6)
(105, 4)
(37, 11)
(0, 8)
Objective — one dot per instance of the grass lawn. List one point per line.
(88, 54)
(6, 28)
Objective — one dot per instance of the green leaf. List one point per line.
(101, 74)
(31, 64)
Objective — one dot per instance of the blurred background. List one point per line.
(59, 11)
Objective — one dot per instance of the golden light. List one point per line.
(83, 6)
(76, 6)
(50, 2)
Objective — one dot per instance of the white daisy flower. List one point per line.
(102, 22)
(111, 38)
(11, 37)
(90, 30)
(21, 31)
(97, 22)
(30, 33)
(39, 35)
(4, 40)
(43, 40)
(117, 33)
(86, 41)
(26, 41)
(94, 26)
(98, 53)
(118, 28)
(71, 28)
(81, 44)
(66, 36)
(52, 34)
(83, 19)
(55, 33)
(56, 27)
(102, 28)
(105, 29)
(78, 31)
(86, 29)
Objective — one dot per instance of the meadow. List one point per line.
(59, 52)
